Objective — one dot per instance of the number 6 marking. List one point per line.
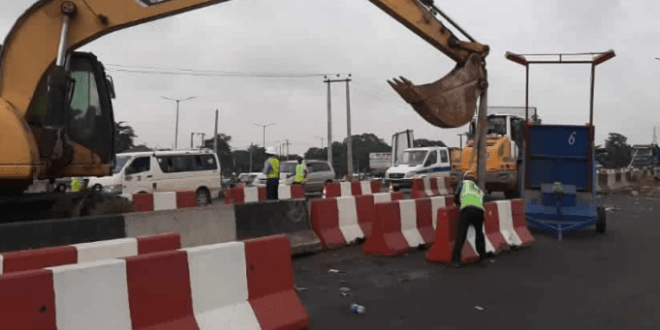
(571, 139)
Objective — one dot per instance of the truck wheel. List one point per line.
(601, 225)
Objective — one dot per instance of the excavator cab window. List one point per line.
(89, 119)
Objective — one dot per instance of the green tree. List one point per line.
(124, 137)
(223, 151)
(363, 144)
(618, 153)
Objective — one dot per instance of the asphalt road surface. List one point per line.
(586, 281)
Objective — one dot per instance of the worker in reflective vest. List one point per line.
(301, 172)
(272, 171)
(75, 184)
(471, 201)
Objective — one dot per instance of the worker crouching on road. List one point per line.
(471, 201)
(301, 172)
(272, 171)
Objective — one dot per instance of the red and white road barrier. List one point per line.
(236, 285)
(290, 192)
(357, 188)
(511, 215)
(341, 221)
(11, 262)
(504, 227)
(402, 225)
(169, 200)
(429, 187)
(242, 195)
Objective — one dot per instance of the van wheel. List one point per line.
(60, 188)
(97, 187)
(203, 196)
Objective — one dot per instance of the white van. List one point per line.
(159, 171)
(419, 163)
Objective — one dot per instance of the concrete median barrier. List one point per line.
(197, 226)
(236, 285)
(18, 236)
(11, 262)
(288, 217)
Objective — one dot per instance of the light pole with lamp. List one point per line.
(176, 129)
(264, 127)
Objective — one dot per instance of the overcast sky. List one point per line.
(293, 37)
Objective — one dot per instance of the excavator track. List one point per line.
(45, 206)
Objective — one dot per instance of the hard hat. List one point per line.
(270, 151)
(469, 175)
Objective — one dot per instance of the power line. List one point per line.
(205, 73)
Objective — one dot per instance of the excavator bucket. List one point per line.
(451, 101)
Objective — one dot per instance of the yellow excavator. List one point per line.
(56, 116)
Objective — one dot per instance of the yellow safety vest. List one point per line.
(300, 173)
(275, 163)
(471, 195)
(75, 185)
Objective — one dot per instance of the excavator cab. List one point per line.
(84, 120)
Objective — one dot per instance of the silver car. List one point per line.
(319, 172)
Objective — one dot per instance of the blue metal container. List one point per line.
(560, 178)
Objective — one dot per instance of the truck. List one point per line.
(504, 139)
(379, 162)
(418, 163)
(645, 156)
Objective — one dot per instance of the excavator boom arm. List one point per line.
(36, 35)
(419, 19)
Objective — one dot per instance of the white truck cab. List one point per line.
(419, 163)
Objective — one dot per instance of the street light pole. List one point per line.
(264, 134)
(176, 128)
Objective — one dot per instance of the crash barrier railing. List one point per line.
(504, 228)
(610, 180)
(356, 188)
(242, 195)
(159, 201)
(236, 285)
(86, 252)
(429, 187)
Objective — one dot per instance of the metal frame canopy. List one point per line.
(596, 58)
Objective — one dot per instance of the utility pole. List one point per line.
(349, 142)
(328, 81)
(287, 148)
(215, 133)
(192, 134)
(320, 137)
(264, 127)
(176, 128)
(250, 157)
(349, 145)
